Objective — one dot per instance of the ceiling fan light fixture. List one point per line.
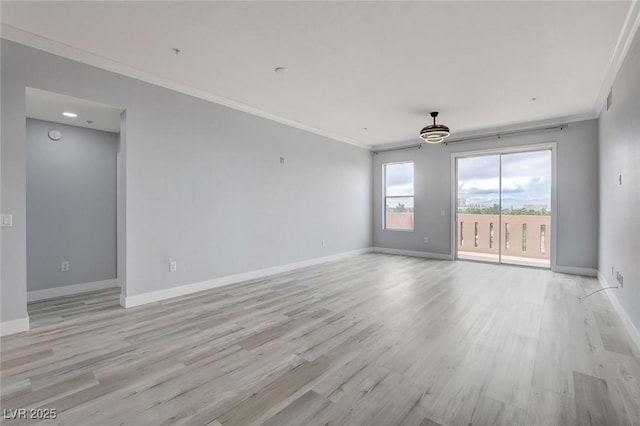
(434, 133)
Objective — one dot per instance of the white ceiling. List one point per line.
(49, 106)
(354, 65)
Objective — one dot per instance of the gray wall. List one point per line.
(13, 266)
(121, 206)
(71, 205)
(577, 193)
(620, 204)
(204, 187)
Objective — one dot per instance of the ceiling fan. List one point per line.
(434, 133)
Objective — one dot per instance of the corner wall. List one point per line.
(205, 184)
(577, 194)
(620, 200)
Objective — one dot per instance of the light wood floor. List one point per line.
(372, 340)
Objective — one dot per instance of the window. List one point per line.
(398, 196)
(524, 237)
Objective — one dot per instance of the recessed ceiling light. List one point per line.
(70, 114)
(281, 70)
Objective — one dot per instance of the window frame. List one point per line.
(385, 196)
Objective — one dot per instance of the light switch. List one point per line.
(7, 220)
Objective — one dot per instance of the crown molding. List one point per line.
(628, 32)
(527, 125)
(35, 41)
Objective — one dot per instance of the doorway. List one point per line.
(504, 206)
(74, 197)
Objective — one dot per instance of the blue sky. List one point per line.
(526, 179)
(399, 179)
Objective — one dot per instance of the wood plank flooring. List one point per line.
(370, 340)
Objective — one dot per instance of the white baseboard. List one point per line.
(155, 296)
(631, 329)
(574, 270)
(425, 254)
(14, 326)
(68, 290)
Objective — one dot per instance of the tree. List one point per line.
(495, 209)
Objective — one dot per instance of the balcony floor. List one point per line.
(511, 260)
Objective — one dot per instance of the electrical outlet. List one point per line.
(324, 243)
(173, 266)
(426, 240)
(6, 221)
(65, 266)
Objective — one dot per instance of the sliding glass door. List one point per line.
(478, 221)
(504, 208)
